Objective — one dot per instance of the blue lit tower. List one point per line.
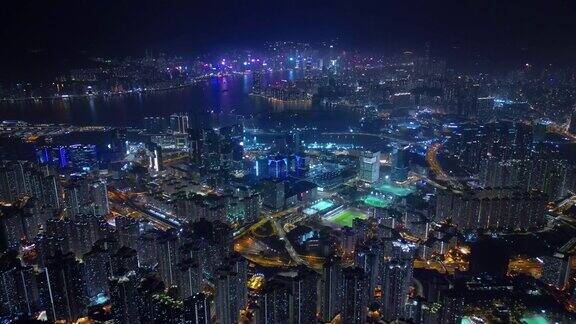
(278, 167)
(261, 169)
(400, 166)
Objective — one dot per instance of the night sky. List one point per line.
(46, 35)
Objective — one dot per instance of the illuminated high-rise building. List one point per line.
(82, 157)
(197, 309)
(196, 145)
(156, 162)
(19, 220)
(261, 168)
(188, 278)
(231, 290)
(278, 167)
(167, 257)
(179, 123)
(396, 279)
(19, 290)
(62, 288)
(127, 231)
(355, 303)
(125, 298)
(331, 289)
(556, 270)
(273, 304)
(369, 166)
(12, 180)
(99, 197)
(400, 166)
(96, 271)
(301, 286)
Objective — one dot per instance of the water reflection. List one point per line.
(218, 94)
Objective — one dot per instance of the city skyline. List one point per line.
(288, 163)
(44, 36)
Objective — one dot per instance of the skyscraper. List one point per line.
(127, 231)
(12, 183)
(96, 271)
(369, 166)
(167, 249)
(302, 284)
(273, 194)
(196, 144)
(197, 309)
(99, 197)
(19, 290)
(77, 195)
(273, 306)
(179, 123)
(397, 277)
(331, 289)
(231, 290)
(278, 167)
(188, 278)
(355, 305)
(18, 220)
(400, 164)
(62, 288)
(556, 270)
(125, 298)
(156, 161)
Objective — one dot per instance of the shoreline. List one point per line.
(104, 95)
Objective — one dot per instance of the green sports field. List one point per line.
(394, 190)
(375, 201)
(347, 216)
